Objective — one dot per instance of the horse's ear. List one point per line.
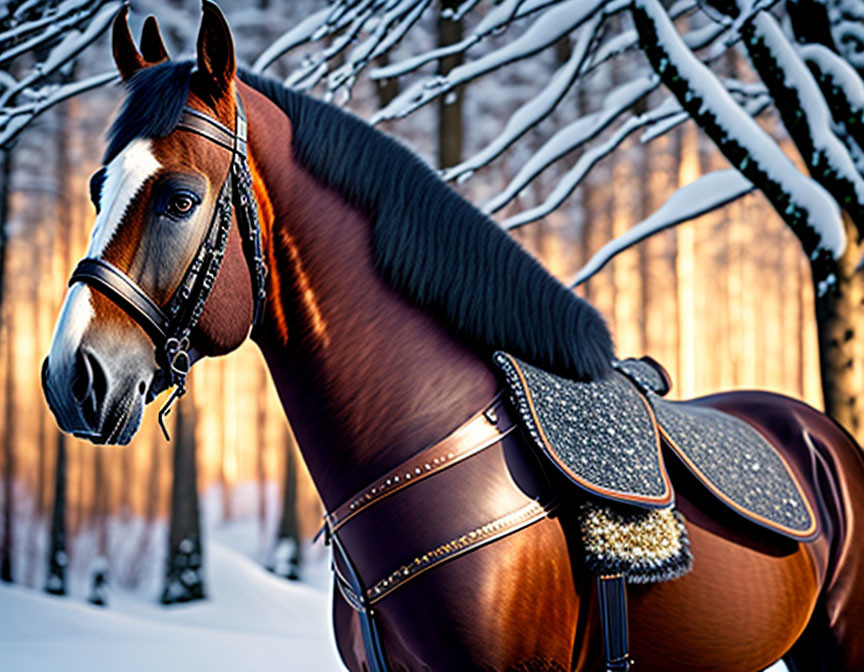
(126, 55)
(152, 47)
(216, 62)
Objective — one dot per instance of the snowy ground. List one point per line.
(252, 621)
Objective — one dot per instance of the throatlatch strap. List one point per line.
(612, 597)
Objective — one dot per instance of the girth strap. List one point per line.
(612, 598)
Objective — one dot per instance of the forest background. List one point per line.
(724, 301)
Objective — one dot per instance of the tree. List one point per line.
(8, 513)
(58, 559)
(288, 551)
(807, 67)
(40, 41)
(184, 571)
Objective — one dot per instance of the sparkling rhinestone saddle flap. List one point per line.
(605, 436)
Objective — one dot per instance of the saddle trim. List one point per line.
(807, 535)
(494, 530)
(663, 500)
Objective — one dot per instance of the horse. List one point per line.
(384, 296)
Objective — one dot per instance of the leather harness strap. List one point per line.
(477, 434)
(612, 598)
(480, 432)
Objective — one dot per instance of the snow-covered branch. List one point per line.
(576, 134)
(708, 193)
(806, 206)
(841, 85)
(301, 33)
(14, 120)
(535, 110)
(496, 20)
(805, 113)
(62, 32)
(550, 27)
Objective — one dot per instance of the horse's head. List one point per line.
(166, 278)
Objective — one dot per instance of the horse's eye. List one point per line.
(182, 203)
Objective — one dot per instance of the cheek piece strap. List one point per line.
(170, 325)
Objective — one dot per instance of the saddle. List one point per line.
(606, 436)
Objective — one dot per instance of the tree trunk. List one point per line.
(184, 577)
(55, 582)
(5, 176)
(99, 571)
(288, 553)
(840, 324)
(450, 104)
(8, 461)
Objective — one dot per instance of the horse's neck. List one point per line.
(366, 378)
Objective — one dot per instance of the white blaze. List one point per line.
(124, 177)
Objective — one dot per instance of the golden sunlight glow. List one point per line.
(310, 301)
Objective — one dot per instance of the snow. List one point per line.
(575, 135)
(497, 19)
(707, 193)
(807, 199)
(251, 621)
(837, 71)
(301, 33)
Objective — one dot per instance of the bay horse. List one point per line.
(386, 295)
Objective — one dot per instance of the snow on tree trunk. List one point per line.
(184, 576)
(803, 204)
(58, 561)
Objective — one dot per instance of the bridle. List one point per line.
(170, 326)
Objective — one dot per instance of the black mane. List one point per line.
(429, 243)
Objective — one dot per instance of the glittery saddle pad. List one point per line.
(737, 464)
(645, 545)
(601, 435)
(605, 436)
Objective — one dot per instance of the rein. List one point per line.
(170, 326)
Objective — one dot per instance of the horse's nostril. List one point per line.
(89, 386)
(82, 382)
(142, 387)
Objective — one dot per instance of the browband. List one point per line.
(170, 326)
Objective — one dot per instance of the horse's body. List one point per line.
(526, 600)
(368, 377)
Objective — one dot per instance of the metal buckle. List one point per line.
(177, 354)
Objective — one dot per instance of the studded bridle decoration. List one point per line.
(170, 326)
